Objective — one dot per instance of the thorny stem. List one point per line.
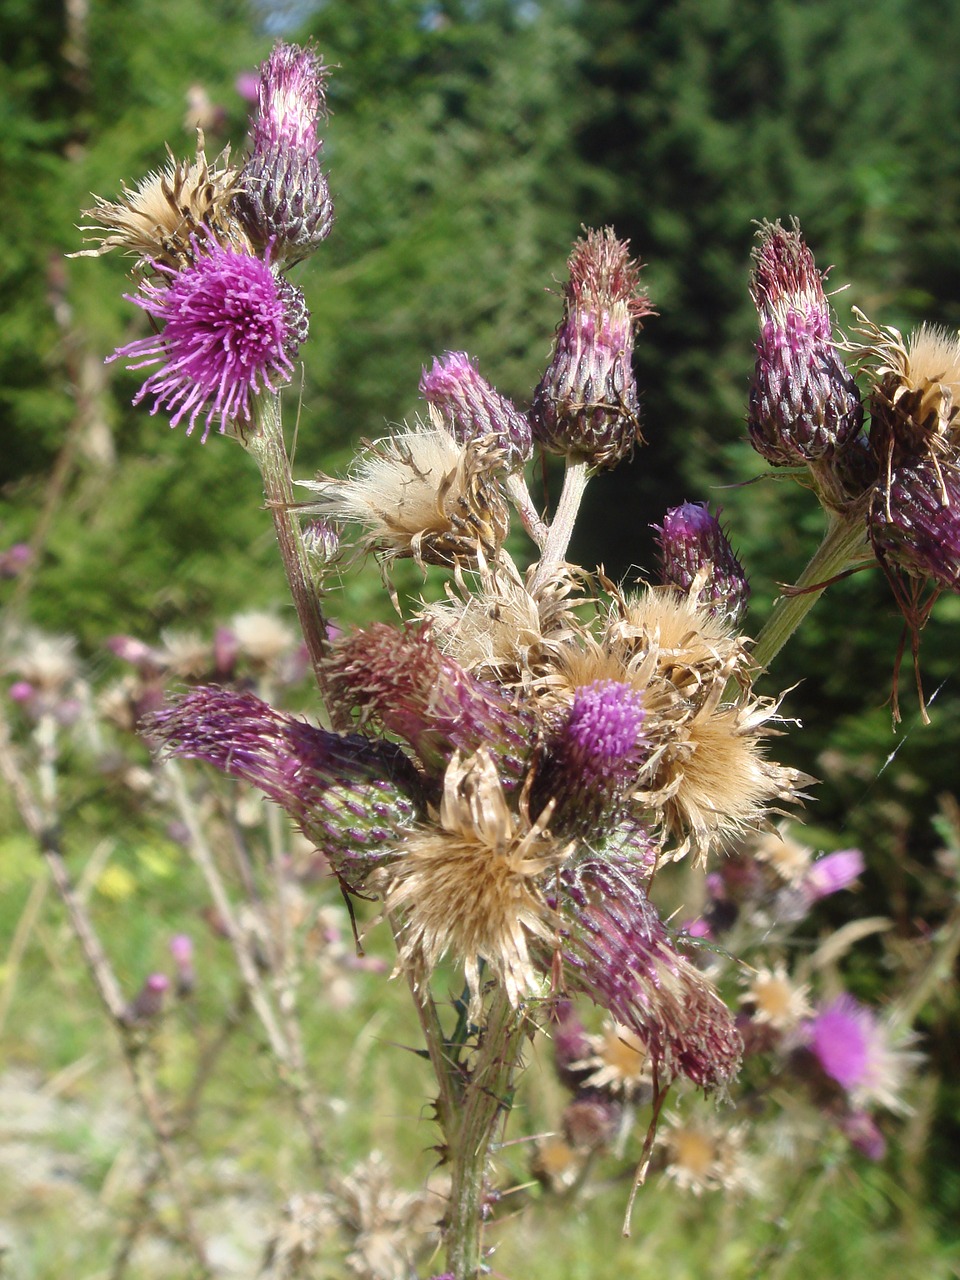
(266, 444)
(842, 547)
(486, 1099)
(561, 527)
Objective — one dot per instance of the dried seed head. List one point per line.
(804, 403)
(472, 885)
(172, 215)
(420, 494)
(586, 404)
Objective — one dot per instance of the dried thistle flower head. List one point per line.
(170, 213)
(804, 403)
(774, 999)
(472, 885)
(618, 1061)
(421, 494)
(702, 1154)
(586, 405)
(915, 394)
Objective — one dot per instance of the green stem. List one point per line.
(267, 446)
(486, 1098)
(843, 547)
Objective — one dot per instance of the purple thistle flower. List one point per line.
(914, 525)
(591, 765)
(475, 409)
(586, 405)
(832, 873)
(692, 542)
(402, 680)
(804, 402)
(352, 797)
(571, 1045)
(864, 1134)
(618, 951)
(284, 198)
(226, 338)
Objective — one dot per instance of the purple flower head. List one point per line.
(804, 403)
(400, 679)
(571, 1045)
(838, 1040)
(856, 1048)
(474, 409)
(592, 763)
(285, 198)
(352, 797)
(15, 559)
(586, 405)
(618, 951)
(832, 873)
(226, 337)
(693, 543)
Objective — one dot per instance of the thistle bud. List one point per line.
(914, 524)
(147, 1004)
(692, 546)
(352, 797)
(474, 409)
(284, 196)
(586, 405)
(804, 403)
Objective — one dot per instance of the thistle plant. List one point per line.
(505, 769)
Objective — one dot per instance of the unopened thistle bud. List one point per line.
(227, 336)
(352, 797)
(401, 680)
(285, 199)
(474, 409)
(693, 547)
(914, 523)
(618, 951)
(147, 1004)
(592, 764)
(804, 403)
(586, 405)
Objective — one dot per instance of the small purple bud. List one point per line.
(322, 541)
(804, 402)
(476, 410)
(181, 949)
(226, 648)
(15, 559)
(22, 692)
(148, 1003)
(136, 652)
(692, 543)
(591, 765)
(832, 873)
(586, 405)
(864, 1134)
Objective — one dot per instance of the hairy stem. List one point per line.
(843, 547)
(486, 1100)
(561, 527)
